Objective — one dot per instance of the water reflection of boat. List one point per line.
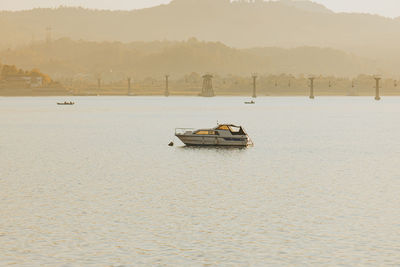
(222, 135)
(252, 102)
(66, 103)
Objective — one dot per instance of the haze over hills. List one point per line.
(241, 24)
(115, 60)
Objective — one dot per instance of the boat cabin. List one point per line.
(233, 129)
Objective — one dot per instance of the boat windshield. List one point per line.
(235, 130)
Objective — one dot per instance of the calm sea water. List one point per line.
(95, 184)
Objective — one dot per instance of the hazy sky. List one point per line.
(389, 8)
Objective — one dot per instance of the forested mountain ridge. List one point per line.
(286, 24)
(67, 58)
(241, 24)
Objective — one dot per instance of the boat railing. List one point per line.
(183, 130)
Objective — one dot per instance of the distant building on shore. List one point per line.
(21, 81)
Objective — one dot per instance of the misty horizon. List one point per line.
(339, 43)
(386, 8)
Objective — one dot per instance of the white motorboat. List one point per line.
(222, 135)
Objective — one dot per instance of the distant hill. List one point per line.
(115, 60)
(240, 24)
(306, 6)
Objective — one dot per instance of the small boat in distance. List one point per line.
(65, 103)
(252, 102)
(221, 135)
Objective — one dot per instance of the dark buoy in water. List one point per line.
(171, 144)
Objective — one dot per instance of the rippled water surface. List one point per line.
(96, 184)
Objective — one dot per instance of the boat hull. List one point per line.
(190, 140)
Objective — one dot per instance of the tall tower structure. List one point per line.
(377, 87)
(166, 93)
(129, 85)
(207, 90)
(254, 76)
(312, 78)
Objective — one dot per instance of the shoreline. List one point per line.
(302, 92)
